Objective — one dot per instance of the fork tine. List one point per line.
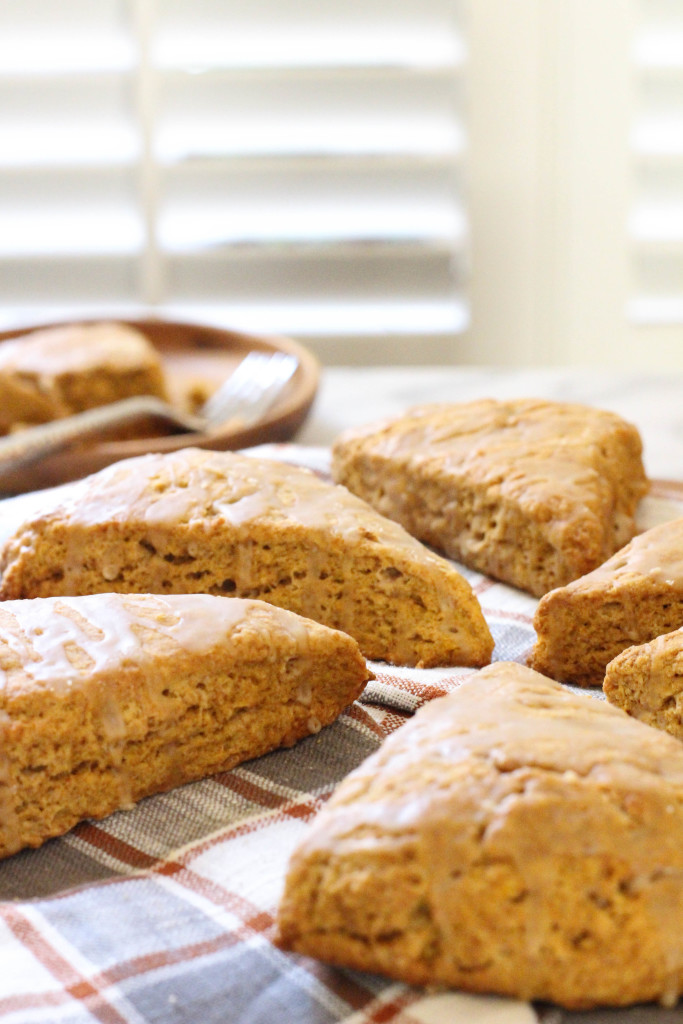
(258, 395)
(251, 387)
(282, 370)
(233, 386)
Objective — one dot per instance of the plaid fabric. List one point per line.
(165, 913)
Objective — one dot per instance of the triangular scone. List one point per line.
(236, 525)
(646, 681)
(531, 492)
(108, 698)
(513, 837)
(633, 597)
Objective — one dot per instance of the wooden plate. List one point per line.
(196, 360)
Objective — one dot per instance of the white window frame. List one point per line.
(553, 99)
(549, 260)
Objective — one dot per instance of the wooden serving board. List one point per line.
(196, 359)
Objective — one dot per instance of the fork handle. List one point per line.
(33, 443)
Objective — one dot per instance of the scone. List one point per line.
(514, 837)
(108, 698)
(646, 681)
(531, 492)
(236, 525)
(635, 596)
(57, 371)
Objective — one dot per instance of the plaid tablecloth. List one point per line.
(165, 913)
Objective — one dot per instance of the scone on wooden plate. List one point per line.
(646, 681)
(633, 597)
(236, 525)
(514, 837)
(108, 698)
(57, 371)
(531, 492)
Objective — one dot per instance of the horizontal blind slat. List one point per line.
(285, 115)
(40, 38)
(210, 32)
(346, 319)
(656, 221)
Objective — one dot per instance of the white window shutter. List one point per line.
(70, 229)
(309, 163)
(657, 138)
(272, 165)
(471, 180)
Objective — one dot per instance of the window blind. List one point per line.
(273, 165)
(657, 143)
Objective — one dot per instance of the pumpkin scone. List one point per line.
(513, 837)
(57, 371)
(633, 597)
(646, 681)
(109, 698)
(531, 492)
(236, 525)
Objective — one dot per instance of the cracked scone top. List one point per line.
(108, 698)
(236, 525)
(528, 491)
(513, 837)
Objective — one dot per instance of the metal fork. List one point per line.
(243, 399)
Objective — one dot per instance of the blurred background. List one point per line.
(489, 182)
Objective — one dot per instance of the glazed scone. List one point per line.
(223, 523)
(57, 371)
(633, 597)
(109, 698)
(646, 681)
(531, 492)
(513, 837)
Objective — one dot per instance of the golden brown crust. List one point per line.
(633, 597)
(646, 681)
(223, 523)
(109, 698)
(513, 837)
(531, 492)
(57, 371)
